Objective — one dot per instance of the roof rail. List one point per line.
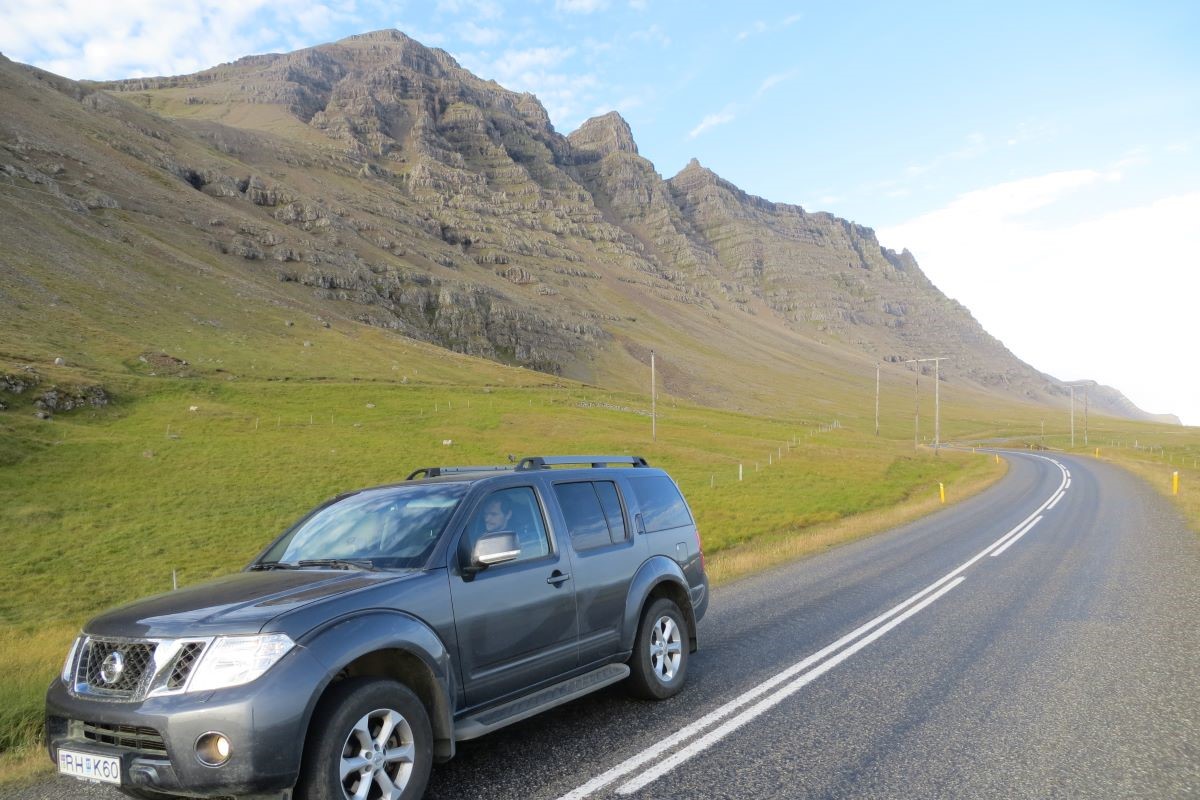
(545, 462)
(434, 472)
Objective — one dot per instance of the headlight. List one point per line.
(68, 670)
(234, 660)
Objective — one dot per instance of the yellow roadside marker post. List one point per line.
(1175, 482)
(942, 491)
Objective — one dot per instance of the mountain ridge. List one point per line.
(389, 185)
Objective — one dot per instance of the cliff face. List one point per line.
(389, 185)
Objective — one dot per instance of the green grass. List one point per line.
(102, 506)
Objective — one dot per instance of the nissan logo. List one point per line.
(113, 666)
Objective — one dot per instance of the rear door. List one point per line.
(606, 556)
(516, 622)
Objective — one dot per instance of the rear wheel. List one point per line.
(658, 666)
(369, 740)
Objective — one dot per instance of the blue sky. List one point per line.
(1042, 161)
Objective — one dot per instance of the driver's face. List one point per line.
(494, 517)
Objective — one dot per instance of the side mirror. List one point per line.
(494, 548)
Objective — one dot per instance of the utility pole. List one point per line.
(653, 401)
(937, 406)
(937, 400)
(916, 410)
(877, 399)
(1083, 385)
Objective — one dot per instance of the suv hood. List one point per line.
(237, 604)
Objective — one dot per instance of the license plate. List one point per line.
(89, 767)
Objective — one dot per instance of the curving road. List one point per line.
(1040, 640)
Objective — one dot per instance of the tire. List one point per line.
(343, 744)
(658, 666)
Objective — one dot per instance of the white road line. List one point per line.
(709, 719)
(1024, 531)
(697, 727)
(708, 740)
(1056, 499)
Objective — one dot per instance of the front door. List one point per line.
(516, 622)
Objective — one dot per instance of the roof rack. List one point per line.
(434, 472)
(596, 462)
(531, 462)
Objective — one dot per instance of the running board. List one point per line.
(492, 719)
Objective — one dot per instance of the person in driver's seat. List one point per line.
(497, 511)
(498, 515)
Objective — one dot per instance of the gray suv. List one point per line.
(386, 626)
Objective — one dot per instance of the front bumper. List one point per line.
(265, 720)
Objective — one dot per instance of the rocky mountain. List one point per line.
(376, 180)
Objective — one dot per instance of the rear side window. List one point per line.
(593, 513)
(610, 501)
(662, 504)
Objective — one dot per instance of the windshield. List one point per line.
(392, 528)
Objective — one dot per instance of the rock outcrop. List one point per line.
(398, 189)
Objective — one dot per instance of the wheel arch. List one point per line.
(659, 576)
(395, 646)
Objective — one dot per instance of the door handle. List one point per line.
(557, 578)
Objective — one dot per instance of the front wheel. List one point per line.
(658, 666)
(370, 740)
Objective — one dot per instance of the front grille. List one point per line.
(136, 659)
(148, 667)
(145, 741)
(189, 654)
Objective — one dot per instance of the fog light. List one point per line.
(213, 749)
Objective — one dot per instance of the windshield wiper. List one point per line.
(265, 565)
(338, 563)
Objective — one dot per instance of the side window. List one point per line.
(515, 510)
(610, 501)
(662, 504)
(586, 520)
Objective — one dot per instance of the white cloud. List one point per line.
(772, 81)
(476, 35)
(580, 6)
(516, 64)
(652, 34)
(84, 39)
(1108, 297)
(477, 9)
(758, 27)
(722, 117)
(974, 145)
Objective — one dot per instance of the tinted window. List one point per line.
(662, 504)
(585, 518)
(515, 510)
(610, 501)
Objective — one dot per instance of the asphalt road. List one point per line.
(966, 655)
